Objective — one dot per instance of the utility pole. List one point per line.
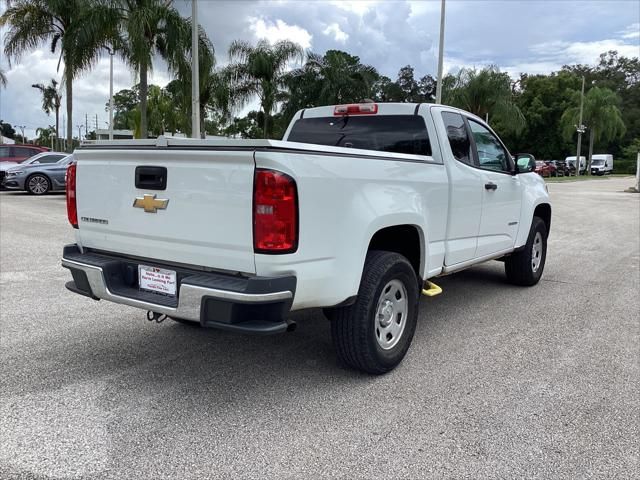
(195, 73)
(440, 55)
(96, 126)
(86, 124)
(80, 132)
(581, 129)
(111, 52)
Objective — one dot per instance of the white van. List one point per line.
(571, 162)
(601, 164)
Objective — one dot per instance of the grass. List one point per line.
(585, 177)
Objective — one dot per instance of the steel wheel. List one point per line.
(391, 314)
(536, 252)
(38, 184)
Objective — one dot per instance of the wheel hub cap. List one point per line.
(391, 314)
(536, 252)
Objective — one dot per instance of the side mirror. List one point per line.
(525, 163)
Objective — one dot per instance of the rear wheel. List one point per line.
(374, 334)
(526, 266)
(38, 184)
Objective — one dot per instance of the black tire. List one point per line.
(519, 266)
(354, 329)
(185, 322)
(37, 184)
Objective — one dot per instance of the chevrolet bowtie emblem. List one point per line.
(150, 203)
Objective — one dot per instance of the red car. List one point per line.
(543, 169)
(19, 153)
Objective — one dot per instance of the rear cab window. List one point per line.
(384, 133)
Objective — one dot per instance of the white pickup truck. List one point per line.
(355, 211)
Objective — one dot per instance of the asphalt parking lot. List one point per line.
(500, 381)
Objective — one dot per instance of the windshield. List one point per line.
(597, 161)
(386, 133)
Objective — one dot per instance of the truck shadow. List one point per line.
(136, 357)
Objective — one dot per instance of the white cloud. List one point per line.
(631, 32)
(280, 30)
(337, 34)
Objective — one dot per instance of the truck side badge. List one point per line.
(150, 203)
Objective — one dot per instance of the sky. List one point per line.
(534, 36)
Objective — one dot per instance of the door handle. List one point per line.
(151, 178)
(490, 186)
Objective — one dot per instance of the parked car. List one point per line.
(562, 169)
(356, 211)
(19, 153)
(39, 178)
(542, 169)
(601, 164)
(40, 158)
(552, 168)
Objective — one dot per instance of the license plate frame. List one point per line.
(157, 280)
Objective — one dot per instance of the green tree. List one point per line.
(124, 103)
(343, 78)
(6, 130)
(44, 135)
(260, 71)
(487, 93)
(51, 101)
(32, 23)
(601, 115)
(542, 99)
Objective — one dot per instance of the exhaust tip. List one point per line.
(291, 325)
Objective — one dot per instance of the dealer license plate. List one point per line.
(157, 280)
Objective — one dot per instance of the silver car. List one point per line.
(38, 177)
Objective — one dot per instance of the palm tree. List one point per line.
(486, 93)
(260, 71)
(146, 28)
(601, 115)
(335, 77)
(32, 23)
(51, 100)
(3, 79)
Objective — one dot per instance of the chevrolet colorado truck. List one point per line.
(356, 212)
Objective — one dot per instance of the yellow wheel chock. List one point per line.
(431, 289)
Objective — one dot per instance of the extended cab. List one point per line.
(356, 211)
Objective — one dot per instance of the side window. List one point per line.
(5, 152)
(458, 137)
(50, 158)
(491, 153)
(23, 152)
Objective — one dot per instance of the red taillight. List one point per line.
(356, 109)
(275, 212)
(72, 209)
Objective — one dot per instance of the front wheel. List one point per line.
(38, 184)
(374, 334)
(525, 267)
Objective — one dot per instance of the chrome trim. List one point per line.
(189, 298)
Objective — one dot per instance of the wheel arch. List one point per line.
(543, 211)
(406, 239)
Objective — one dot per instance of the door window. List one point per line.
(458, 137)
(23, 152)
(50, 158)
(491, 154)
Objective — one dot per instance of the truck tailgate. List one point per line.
(207, 220)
